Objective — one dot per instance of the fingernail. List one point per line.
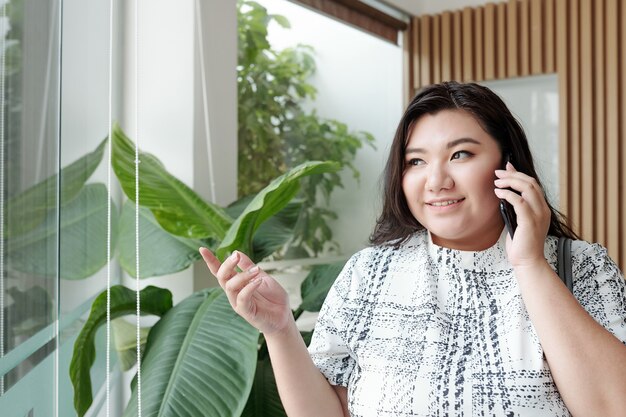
(254, 270)
(234, 255)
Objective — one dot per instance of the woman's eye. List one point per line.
(415, 161)
(461, 155)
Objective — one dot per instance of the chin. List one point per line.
(449, 234)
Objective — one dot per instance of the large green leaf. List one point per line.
(160, 252)
(315, 286)
(28, 209)
(275, 232)
(266, 203)
(177, 208)
(199, 361)
(264, 400)
(153, 300)
(83, 238)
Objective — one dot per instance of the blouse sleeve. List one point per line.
(599, 286)
(329, 346)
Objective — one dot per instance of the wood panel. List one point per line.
(512, 52)
(586, 122)
(490, 41)
(501, 38)
(564, 97)
(468, 44)
(599, 124)
(574, 105)
(479, 54)
(436, 44)
(425, 51)
(415, 41)
(612, 129)
(446, 46)
(622, 184)
(457, 55)
(549, 45)
(536, 37)
(524, 37)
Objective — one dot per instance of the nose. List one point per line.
(438, 178)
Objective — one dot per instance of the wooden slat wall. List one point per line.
(584, 42)
(599, 134)
(613, 75)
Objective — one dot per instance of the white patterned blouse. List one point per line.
(422, 330)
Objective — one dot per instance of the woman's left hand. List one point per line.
(533, 216)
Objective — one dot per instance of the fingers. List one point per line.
(528, 199)
(232, 281)
(211, 261)
(221, 271)
(528, 191)
(244, 304)
(245, 262)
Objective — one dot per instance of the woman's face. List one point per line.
(449, 178)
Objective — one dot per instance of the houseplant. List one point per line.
(200, 355)
(278, 129)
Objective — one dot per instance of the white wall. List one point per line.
(359, 82)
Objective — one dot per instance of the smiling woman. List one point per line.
(448, 180)
(445, 312)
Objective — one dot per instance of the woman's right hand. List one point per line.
(252, 293)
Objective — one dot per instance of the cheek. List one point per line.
(412, 186)
(484, 184)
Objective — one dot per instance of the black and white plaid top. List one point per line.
(422, 330)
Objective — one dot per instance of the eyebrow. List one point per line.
(450, 144)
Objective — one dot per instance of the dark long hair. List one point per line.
(396, 223)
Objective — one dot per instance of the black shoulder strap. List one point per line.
(564, 262)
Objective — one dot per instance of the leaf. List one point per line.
(199, 360)
(275, 232)
(161, 253)
(264, 400)
(83, 238)
(30, 310)
(315, 286)
(281, 20)
(125, 341)
(266, 203)
(176, 207)
(28, 209)
(153, 300)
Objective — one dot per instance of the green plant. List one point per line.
(276, 132)
(200, 357)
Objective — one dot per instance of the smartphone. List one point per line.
(507, 210)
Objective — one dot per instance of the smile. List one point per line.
(443, 203)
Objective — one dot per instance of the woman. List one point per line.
(447, 313)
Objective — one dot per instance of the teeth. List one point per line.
(444, 203)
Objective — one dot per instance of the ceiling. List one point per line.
(420, 7)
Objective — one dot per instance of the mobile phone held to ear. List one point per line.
(507, 210)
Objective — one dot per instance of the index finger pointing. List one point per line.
(211, 261)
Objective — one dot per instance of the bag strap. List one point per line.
(564, 262)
